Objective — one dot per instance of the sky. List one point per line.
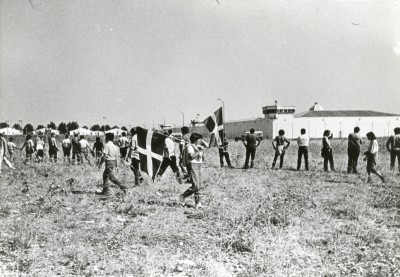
(130, 62)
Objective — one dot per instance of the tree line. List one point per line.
(63, 127)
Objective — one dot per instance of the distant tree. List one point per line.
(95, 128)
(124, 128)
(85, 127)
(105, 128)
(17, 127)
(115, 127)
(62, 128)
(40, 126)
(4, 125)
(52, 125)
(28, 128)
(72, 126)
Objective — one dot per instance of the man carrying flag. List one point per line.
(215, 126)
(150, 146)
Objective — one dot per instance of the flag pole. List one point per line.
(223, 120)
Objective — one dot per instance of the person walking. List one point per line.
(251, 144)
(133, 154)
(29, 149)
(123, 144)
(75, 148)
(193, 157)
(169, 159)
(66, 147)
(280, 148)
(393, 146)
(110, 157)
(326, 151)
(39, 147)
(184, 141)
(3, 152)
(371, 156)
(302, 142)
(353, 150)
(97, 149)
(224, 153)
(53, 148)
(11, 148)
(84, 149)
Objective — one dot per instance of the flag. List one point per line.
(151, 148)
(215, 125)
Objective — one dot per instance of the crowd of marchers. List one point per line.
(188, 166)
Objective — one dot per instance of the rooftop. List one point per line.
(343, 113)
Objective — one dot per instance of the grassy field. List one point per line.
(257, 222)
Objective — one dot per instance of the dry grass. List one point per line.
(257, 222)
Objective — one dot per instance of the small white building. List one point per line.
(117, 132)
(81, 131)
(10, 131)
(46, 131)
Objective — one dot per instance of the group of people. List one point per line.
(280, 143)
(191, 154)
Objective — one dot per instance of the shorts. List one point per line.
(67, 152)
(40, 153)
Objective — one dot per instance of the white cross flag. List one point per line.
(151, 148)
(215, 125)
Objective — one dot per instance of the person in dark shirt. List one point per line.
(353, 150)
(280, 148)
(393, 146)
(98, 149)
(326, 151)
(184, 141)
(223, 152)
(75, 148)
(252, 142)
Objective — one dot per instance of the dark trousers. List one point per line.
(223, 154)
(75, 155)
(108, 174)
(169, 162)
(393, 155)
(328, 158)
(250, 151)
(353, 154)
(136, 172)
(194, 172)
(303, 151)
(53, 154)
(371, 163)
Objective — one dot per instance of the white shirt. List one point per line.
(123, 142)
(111, 151)
(191, 151)
(303, 140)
(66, 143)
(133, 146)
(84, 143)
(39, 144)
(373, 147)
(169, 149)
